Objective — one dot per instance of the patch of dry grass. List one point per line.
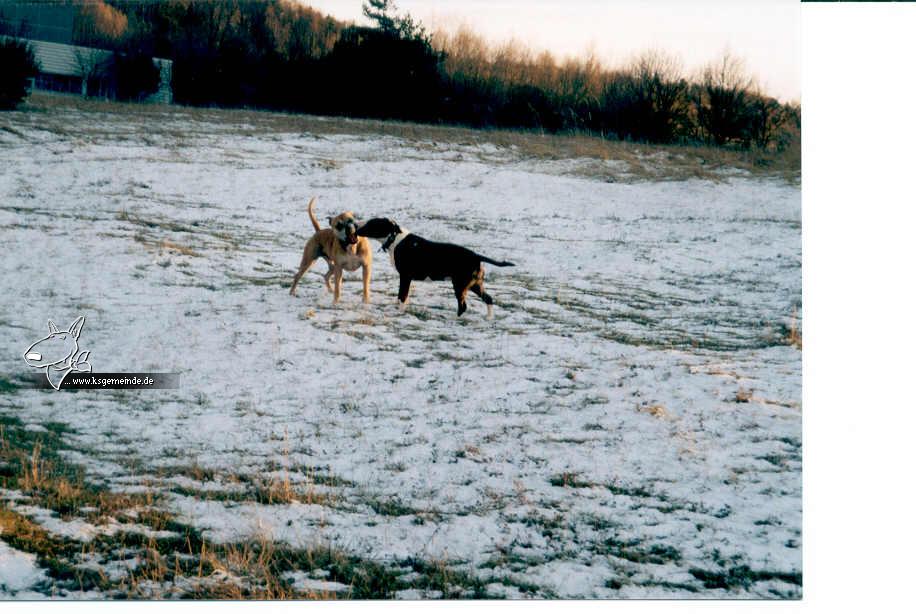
(164, 245)
(279, 483)
(276, 491)
(179, 563)
(643, 162)
(30, 463)
(744, 395)
(794, 336)
(570, 480)
(656, 411)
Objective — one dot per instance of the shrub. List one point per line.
(528, 106)
(723, 102)
(135, 75)
(19, 64)
(373, 73)
(765, 119)
(646, 102)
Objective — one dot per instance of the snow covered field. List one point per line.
(629, 424)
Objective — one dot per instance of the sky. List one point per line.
(765, 33)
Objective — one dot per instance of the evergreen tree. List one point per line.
(383, 13)
(19, 64)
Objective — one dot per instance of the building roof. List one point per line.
(60, 59)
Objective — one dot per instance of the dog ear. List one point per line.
(52, 327)
(76, 327)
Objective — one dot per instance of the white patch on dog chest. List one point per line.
(397, 240)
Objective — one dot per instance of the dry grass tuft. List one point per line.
(744, 395)
(570, 479)
(794, 337)
(656, 411)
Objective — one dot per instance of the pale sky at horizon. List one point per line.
(765, 33)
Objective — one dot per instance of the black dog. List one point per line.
(416, 258)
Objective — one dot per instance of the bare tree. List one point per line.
(93, 65)
(660, 91)
(766, 118)
(723, 100)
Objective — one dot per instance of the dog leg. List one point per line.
(338, 280)
(479, 291)
(404, 292)
(307, 261)
(367, 277)
(327, 278)
(461, 287)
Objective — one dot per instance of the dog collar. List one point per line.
(400, 232)
(392, 243)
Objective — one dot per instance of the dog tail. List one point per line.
(495, 262)
(312, 215)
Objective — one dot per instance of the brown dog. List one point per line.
(341, 248)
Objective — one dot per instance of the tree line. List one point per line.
(281, 55)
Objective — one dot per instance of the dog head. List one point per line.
(55, 349)
(378, 228)
(344, 227)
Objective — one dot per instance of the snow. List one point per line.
(75, 529)
(18, 574)
(301, 582)
(635, 314)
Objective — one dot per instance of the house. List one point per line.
(72, 69)
(86, 70)
(64, 66)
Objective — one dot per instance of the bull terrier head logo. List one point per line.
(58, 353)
